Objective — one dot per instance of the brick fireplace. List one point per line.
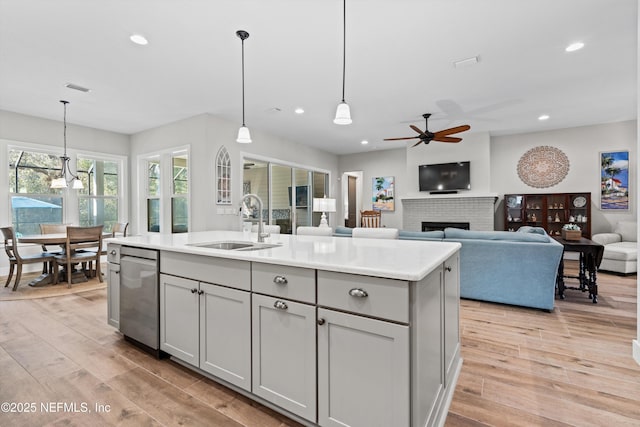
(477, 211)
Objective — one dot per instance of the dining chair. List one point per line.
(375, 233)
(84, 246)
(370, 219)
(56, 250)
(119, 229)
(15, 259)
(314, 231)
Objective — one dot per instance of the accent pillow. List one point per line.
(529, 229)
(421, 235)
(456, 233)
(628, 230)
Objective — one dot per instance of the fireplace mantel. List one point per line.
(462, 195)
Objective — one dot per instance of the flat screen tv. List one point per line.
(445, 177)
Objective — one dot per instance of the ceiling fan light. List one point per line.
(343, 114)
(244, 137)
(59, 182)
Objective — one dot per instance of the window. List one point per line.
(153, 195)
(98, 201)
(32, 200)
(223, 177)
(166, 178)
(180, 196)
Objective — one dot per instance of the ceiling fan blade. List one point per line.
(419, 142)
(453, 130)
(447, 139)
(417, 129)
(398, 139)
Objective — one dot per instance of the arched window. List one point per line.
(223, 177)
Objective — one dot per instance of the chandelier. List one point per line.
(66, 177)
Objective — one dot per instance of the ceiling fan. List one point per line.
(427, 137)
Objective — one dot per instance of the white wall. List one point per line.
(582, 145)
(205, 134)
(475, 148)
(375, 164)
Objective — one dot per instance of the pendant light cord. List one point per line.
(243, 82)
(344, 43)
(64, 121)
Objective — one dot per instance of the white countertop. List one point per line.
(395, 259)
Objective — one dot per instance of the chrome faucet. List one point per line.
(261, 233)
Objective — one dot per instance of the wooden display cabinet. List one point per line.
(550, 211)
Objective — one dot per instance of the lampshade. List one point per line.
(324, 205)
(343, 114)
(77, 184)
(59, 182)
(244, 137)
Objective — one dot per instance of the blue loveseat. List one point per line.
(501, 266)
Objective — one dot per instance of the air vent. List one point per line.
(76, 87)
(464, 63)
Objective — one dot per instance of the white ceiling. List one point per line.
(399, 64)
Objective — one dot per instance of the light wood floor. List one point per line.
(522, 367)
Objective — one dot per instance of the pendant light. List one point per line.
(343, 113)
(244, 137)
(66, 177)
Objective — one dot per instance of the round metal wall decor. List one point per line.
(543, 167)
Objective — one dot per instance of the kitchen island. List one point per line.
(329, 331)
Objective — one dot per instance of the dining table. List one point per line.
(52, 239)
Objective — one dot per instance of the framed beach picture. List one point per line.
(614, 180)
(383, 193)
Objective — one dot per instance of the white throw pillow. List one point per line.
(628, 230)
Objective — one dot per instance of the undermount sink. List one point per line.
(234, 246)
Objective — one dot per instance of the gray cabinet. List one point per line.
(207, 326)
(284, 354)
(225, 334)
(451, 316)
(363, 371)
(179, 318)
(113, 285)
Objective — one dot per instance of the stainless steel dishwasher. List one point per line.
(139, 298)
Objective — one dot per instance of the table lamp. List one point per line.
(324, 205)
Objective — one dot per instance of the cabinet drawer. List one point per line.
(371, 296)
(219, 271)
(113, 253)
(293, 283)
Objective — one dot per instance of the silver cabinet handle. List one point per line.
(117, 272)
(280, 305)
(280, 280)
(321, 321)
(113, 252)
(359, 293)
(448, 269)
(194, 290)
(200, 292)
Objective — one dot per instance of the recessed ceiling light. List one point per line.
(364, 142)
(139, 39)
(299, 110)
(574, 46)
(544, 117)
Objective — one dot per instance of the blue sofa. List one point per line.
(517, 268)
